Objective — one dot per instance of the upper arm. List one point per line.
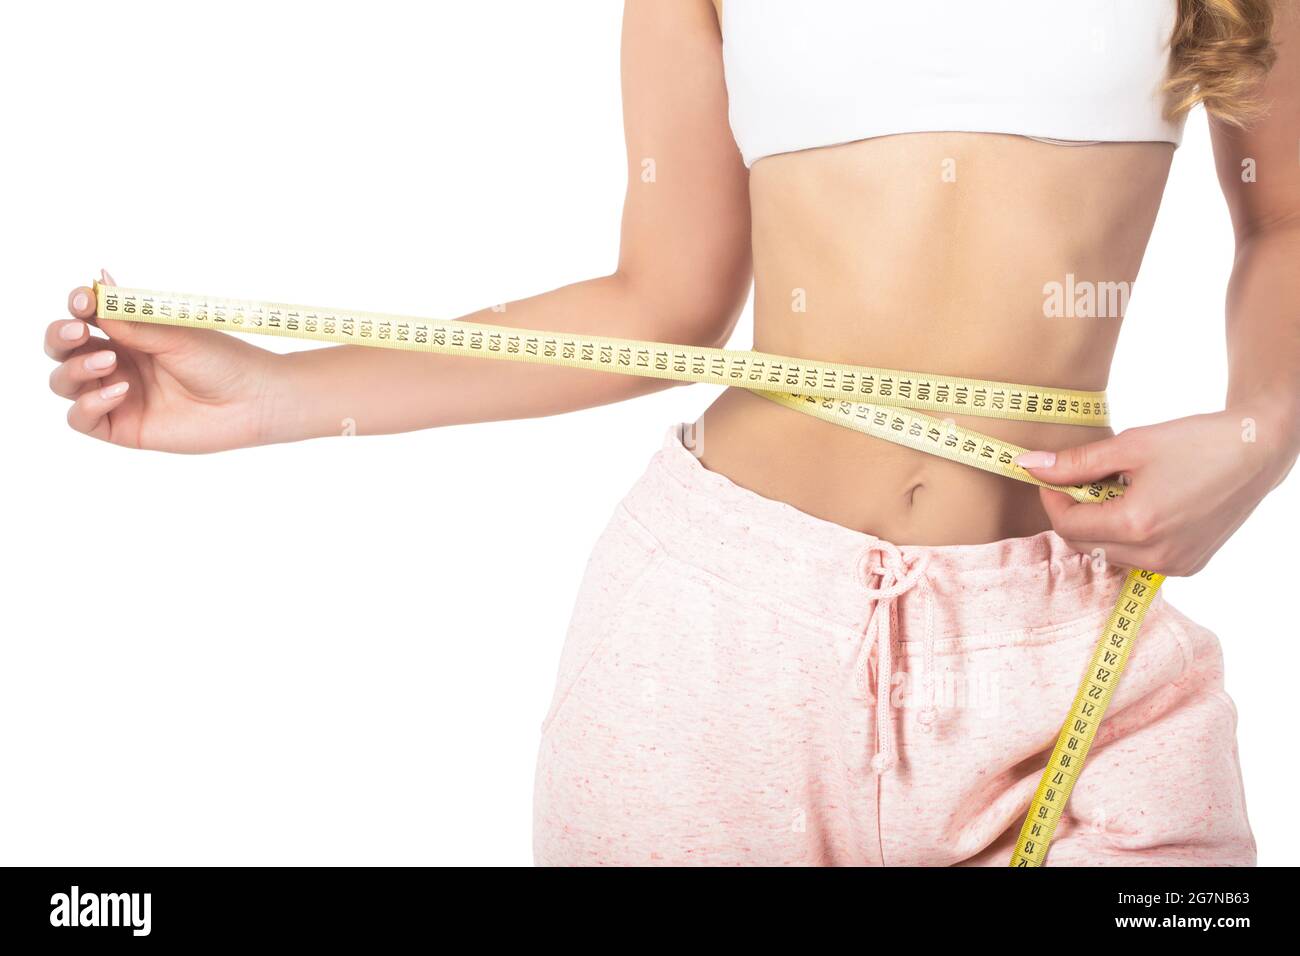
(1272, 196)
(685, 241)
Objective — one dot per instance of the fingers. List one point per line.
(1081, 464)
(84, 366)
(63, 336)
(1122, 529)
(89, 413)
(1077, 521)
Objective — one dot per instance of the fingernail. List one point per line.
(113, 391)
(81, 301)
(105, 277)
(100, 360)
(72, 331)
(1037, 459)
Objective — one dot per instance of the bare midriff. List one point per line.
(934, 252)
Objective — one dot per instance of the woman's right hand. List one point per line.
(159, 387)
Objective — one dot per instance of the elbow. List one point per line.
(704, 324)
(1284, 226)
(700, 311)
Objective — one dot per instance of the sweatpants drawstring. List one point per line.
(897, 577)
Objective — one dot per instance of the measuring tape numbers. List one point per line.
(891, 404)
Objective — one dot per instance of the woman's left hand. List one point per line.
(1191, 483)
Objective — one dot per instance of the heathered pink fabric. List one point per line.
(716, 700)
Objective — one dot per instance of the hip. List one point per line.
(730, 651)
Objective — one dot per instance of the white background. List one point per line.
(376, 699)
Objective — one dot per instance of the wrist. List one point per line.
(285, 401)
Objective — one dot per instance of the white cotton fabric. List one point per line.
(809, 73)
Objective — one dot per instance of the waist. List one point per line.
(878, 488)
(870, 486)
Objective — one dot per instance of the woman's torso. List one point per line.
(937, 252)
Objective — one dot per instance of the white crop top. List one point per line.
(808, 73)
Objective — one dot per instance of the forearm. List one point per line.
(322, 391)
(1263, 326)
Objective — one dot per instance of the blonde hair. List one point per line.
(1220, 52)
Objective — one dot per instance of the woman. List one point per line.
(909, 186)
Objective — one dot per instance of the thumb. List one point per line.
(1078, 465)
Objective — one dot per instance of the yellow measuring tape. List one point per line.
(890, 404)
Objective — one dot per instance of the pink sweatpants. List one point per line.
(719, 698)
